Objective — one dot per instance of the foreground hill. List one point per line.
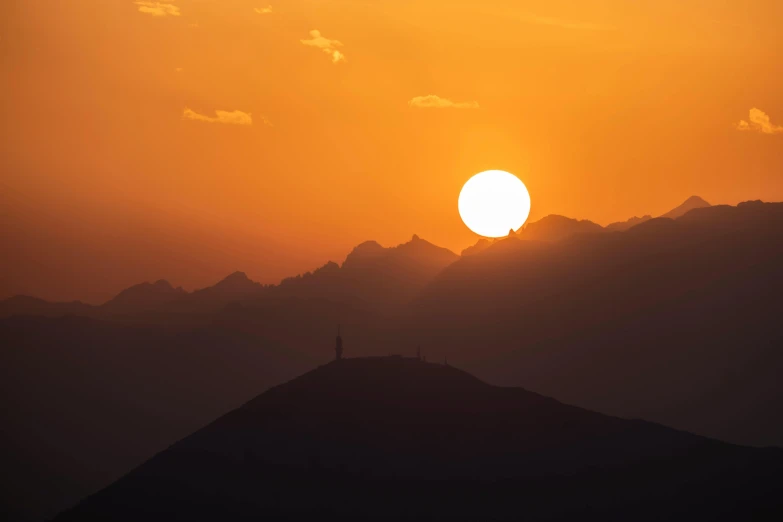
(675, 321)
(392, 438)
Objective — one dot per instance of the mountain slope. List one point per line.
(26, 305)
(675, 321)
(391, 438)
(382, 279)
(629, 223)
(556, 228)
(144, 297)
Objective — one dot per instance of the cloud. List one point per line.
(759, 122)
(326, 45)
(263, 10)
(228, 117)
(436, 102)
(179, 69)
(157, 8)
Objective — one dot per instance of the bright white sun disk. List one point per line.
(494, 202)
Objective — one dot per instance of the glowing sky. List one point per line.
(187, 139)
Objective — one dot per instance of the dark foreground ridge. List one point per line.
(392, 438)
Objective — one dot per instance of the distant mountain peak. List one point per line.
(686, 206)
(236, 283)
(363, 252)
(159, 286)
(481, 245)
(238, 276)
(696, 200)
(555, 227)
(145, 295)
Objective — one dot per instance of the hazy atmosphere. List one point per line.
(187, 139)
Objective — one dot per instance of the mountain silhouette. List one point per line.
(689, 204)
(674, 321)
(625, 225)
(26, 305)
(407, 268)
(145, 297)
(392, 438)
(481, 245)
(236, 284)
(381, 278)
(556, 228)
(549, 228)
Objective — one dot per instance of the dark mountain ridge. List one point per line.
(378, 277)
(382, 279)
(673, 320)
(557, 228)
(390, 437)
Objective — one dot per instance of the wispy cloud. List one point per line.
(759, 122)
(432, 101)
(263, 10)
(326, 45)
(157, 8)
(227, 117)
(531, 18)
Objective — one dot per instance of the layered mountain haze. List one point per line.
(557, 228)
(382, 278)
(674, 321)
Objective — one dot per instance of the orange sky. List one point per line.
(605, 109)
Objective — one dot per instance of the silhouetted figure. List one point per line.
(418, 352)
(338, 346)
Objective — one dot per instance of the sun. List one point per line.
(494, 202)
